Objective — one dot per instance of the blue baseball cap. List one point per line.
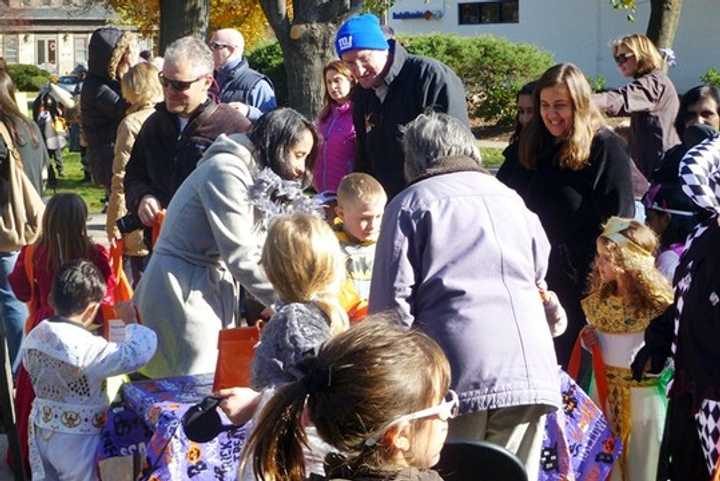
(360, 32)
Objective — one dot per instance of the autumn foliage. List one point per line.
(244, 15)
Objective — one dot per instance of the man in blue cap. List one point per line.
(394, 88)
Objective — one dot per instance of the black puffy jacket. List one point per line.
(102, 107)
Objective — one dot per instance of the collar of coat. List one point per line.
(450, 165)
(197, 117)
(397, 56)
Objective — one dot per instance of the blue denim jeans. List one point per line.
(12, 311)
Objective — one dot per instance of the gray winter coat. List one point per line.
(212, 235)
(461, 257)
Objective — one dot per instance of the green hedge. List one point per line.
(711, 77)
(492, 68)
(268, 59)
(28, 77)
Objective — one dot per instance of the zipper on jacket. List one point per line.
(325, 148)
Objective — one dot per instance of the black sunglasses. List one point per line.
(621, 58)
(179, 85)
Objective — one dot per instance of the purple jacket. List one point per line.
(336, 156)
(461, 257)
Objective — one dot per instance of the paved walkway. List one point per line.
(492, 144)
(5, 473)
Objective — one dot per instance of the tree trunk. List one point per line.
(179, 18)
(663, 23)
(307, 41)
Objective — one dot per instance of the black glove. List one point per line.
(638, 365)
(657, 363)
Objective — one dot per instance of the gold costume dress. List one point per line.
(636, 410)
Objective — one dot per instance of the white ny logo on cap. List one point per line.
(345, 42)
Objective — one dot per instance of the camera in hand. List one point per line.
(202, 422)
(129, 223)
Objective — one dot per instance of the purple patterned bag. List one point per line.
(578, 443)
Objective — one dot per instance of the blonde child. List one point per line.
(302, 260)
(360, 204)
(376, 393)
(69, 366)
(627, 292)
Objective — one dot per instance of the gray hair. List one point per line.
(190, 49)
(431, 137)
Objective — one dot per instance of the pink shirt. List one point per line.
(336, 155)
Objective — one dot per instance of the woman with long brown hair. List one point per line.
(336, 157)
(25, 134)
(25, 138)
(581, 178)
(64, 238)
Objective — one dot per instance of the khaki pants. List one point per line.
(519, 429)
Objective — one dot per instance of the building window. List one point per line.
(505, 11)
(80, 47)
(10, 48)
(46, 53)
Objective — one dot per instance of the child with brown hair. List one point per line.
(64, 238)
(627, 293)
(302, 260)
(376, 393)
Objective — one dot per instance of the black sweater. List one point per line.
(414, 84)
(573, 205)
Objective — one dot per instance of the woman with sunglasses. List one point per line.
(650, 100)
(377, 393)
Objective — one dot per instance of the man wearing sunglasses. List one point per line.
(172, 139)
(240, 86)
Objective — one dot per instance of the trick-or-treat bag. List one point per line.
(236, 350)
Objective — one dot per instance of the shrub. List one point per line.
(268, 59)
(598, 83)
(711, 77)
(493, 69)
(28, 77)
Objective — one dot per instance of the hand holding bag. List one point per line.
(21, 218)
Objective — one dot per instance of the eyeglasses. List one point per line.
(218, 46)
(447, 409)
(179, 85)
(621, 58)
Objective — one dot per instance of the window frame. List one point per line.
(503, 9)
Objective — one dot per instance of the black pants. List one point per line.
(681, 456)
(53, 173)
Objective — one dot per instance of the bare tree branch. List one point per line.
(277, 15)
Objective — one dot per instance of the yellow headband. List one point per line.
(614, 231)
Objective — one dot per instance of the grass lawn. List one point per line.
(72, 182)
(492, 158)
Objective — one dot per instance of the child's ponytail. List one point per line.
(359, 381)
(276, 444)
